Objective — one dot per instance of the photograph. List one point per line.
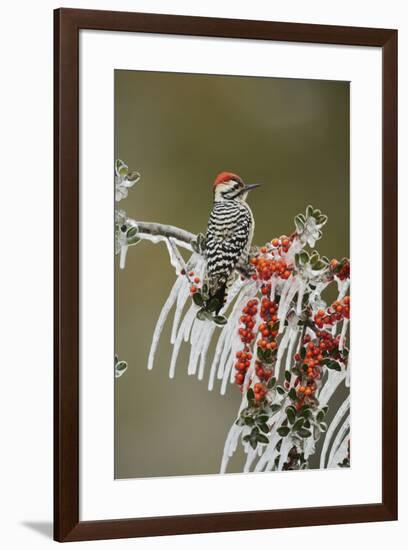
(232, 274)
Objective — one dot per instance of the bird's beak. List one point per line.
(251, 186)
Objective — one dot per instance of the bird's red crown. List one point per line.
(226, 176)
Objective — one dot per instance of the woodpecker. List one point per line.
(229, 234)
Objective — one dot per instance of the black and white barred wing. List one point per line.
(228, 232)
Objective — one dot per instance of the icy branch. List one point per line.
(181, 236)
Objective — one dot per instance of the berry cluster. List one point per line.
(267, 267)
(313, 358)
(195, 280)
(271, 260)
(268, 329)
(260, 390)
(247, 335)
(242, 364)
(336, 312)
(341, 268)
(247, 319)
(266, 344)
(282, 244)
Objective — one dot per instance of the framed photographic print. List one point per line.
(222, 188)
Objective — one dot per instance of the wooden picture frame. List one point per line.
(67, 24)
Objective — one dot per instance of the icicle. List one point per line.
(333, 381)
(209, 330)
(347, 369)
(301, 291)
(341, 453)
(230, 446)
(162, 319)
(283, 293)
(309, 447)
(343, 334)
(281, 350)
(181, 302)
(175, 258)
(123, 253)
(183, 333)
(195, 346)
(341, 435)
(216, 358)
(249, 460)
(273, 289)
(293, 335)
(342, 287)
(332, 428)
(284, 303)
(287, 444)
(227, 361)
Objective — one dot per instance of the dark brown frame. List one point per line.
(67, 24)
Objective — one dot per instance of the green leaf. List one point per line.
(131, 232)
(292, 394)
(246, 438)
(283, 431)
(279, 445)
(325, 409)
(291, 414)
(261, 419)
(319, 265)
(267, 354)
(288, 376)
(305, 411)
(299, 223)
(249, 421)
(304, 257)
(198, 299)
(260, 354)
(275, 407)
(213, 305)
(321, 220)
(333, 365)
(121, 168)
(133, 240)
(262, 439)
(203, 315)
(250, 395)
(320, 416)
(309, 211)
(299, 423)
(120, 368)
(302, 352)
(272, 382)
(220, 320)
(253, 442)
(264, 428)
(323, 426)
(133, 176)
(304, 433)
(280, 390)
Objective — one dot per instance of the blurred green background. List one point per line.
(179, 131)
